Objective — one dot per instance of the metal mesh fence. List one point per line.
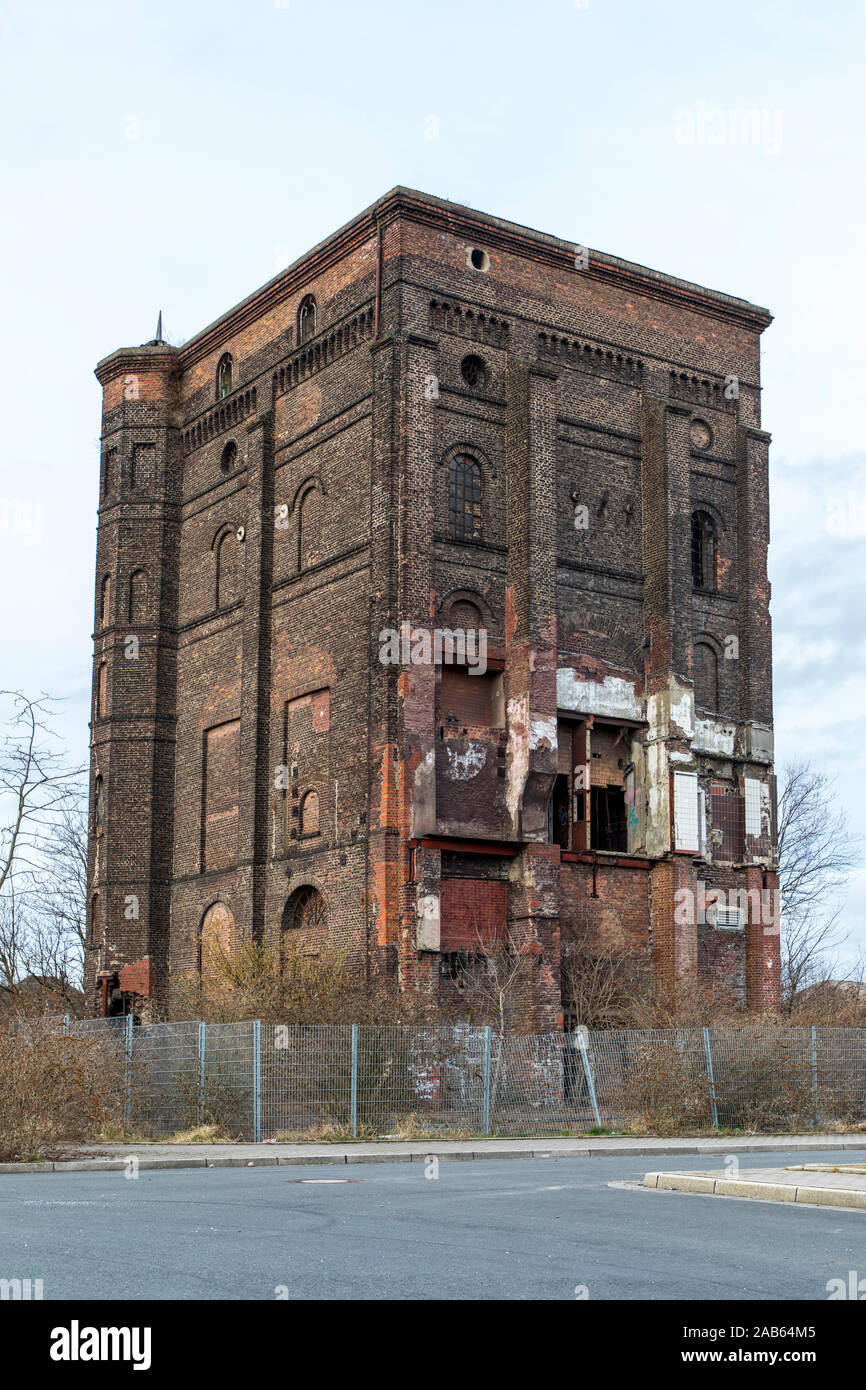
(260, 1081)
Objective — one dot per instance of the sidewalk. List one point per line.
(830, 1186)
(112, 1157)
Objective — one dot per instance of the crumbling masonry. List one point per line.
(544, 470)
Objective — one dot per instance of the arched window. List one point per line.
(228, 569)
(105, 602)
(706, 677)
(229, 457)
(102, 690)
(216, 940)
(464, 498)
(137, 596)
(305, 923)
(98, 803)
(309, 813)
(310, 528)
(225, 376)
(307, 319)
(704, 551)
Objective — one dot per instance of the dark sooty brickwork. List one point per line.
(433, 621)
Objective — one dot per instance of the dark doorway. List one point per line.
(608, 830)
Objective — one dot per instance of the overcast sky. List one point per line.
(174, 154)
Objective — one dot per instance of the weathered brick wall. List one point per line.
(281, 529)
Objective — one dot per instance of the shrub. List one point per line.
(56, 1088)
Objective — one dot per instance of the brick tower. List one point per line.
(433, 623)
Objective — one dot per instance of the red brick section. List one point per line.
(322, 482)
(474, 913)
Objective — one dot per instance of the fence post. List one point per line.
(202, 1051)
(66, 1022)
(712, 1079)
(257, 1081)
(127, 1104)
(353, 1102)
(486, 1104)
(815, 1118)
(587, 1071)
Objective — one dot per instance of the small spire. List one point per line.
(159, 328)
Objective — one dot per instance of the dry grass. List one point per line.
(202, 1134)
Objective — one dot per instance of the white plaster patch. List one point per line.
(518, 754)
(428, 936)
(611, 697)
(713, 736)
(542, 733)
(466, 765)
(682, 714)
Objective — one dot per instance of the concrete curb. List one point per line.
(258, 1156)
(755, 1189)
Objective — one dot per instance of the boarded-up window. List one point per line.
(143, 467)
(307, 755)
(686, 838)
(220, 796)
(217, 940)
(137, 596)
(473, 914)
(228, 570)
(706, 677)
(109, 474)
(310, 813)
(466, 700)
(102, 690)
(310, 528)
(105, 602)
(97, 925)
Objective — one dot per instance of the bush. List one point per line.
(55, 1088)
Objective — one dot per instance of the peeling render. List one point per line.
(611, 697)
(518, 755)
(542, 734)
(463, 766)
(714, 736)
(428, 922)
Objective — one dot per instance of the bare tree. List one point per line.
(502, 975)
(598, 983)
(817, 852)
(40, 843)
(58, 901)
(12, 940)
(37, 785)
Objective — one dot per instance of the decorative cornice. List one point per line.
(450, 316)
(225, 416)
(324, 349)
(589, 357)
(707, 391)
(414, 206)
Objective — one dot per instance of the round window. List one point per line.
(478, 259)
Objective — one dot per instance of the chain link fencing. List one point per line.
(263, 1081)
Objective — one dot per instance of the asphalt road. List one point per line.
(507, 1229)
